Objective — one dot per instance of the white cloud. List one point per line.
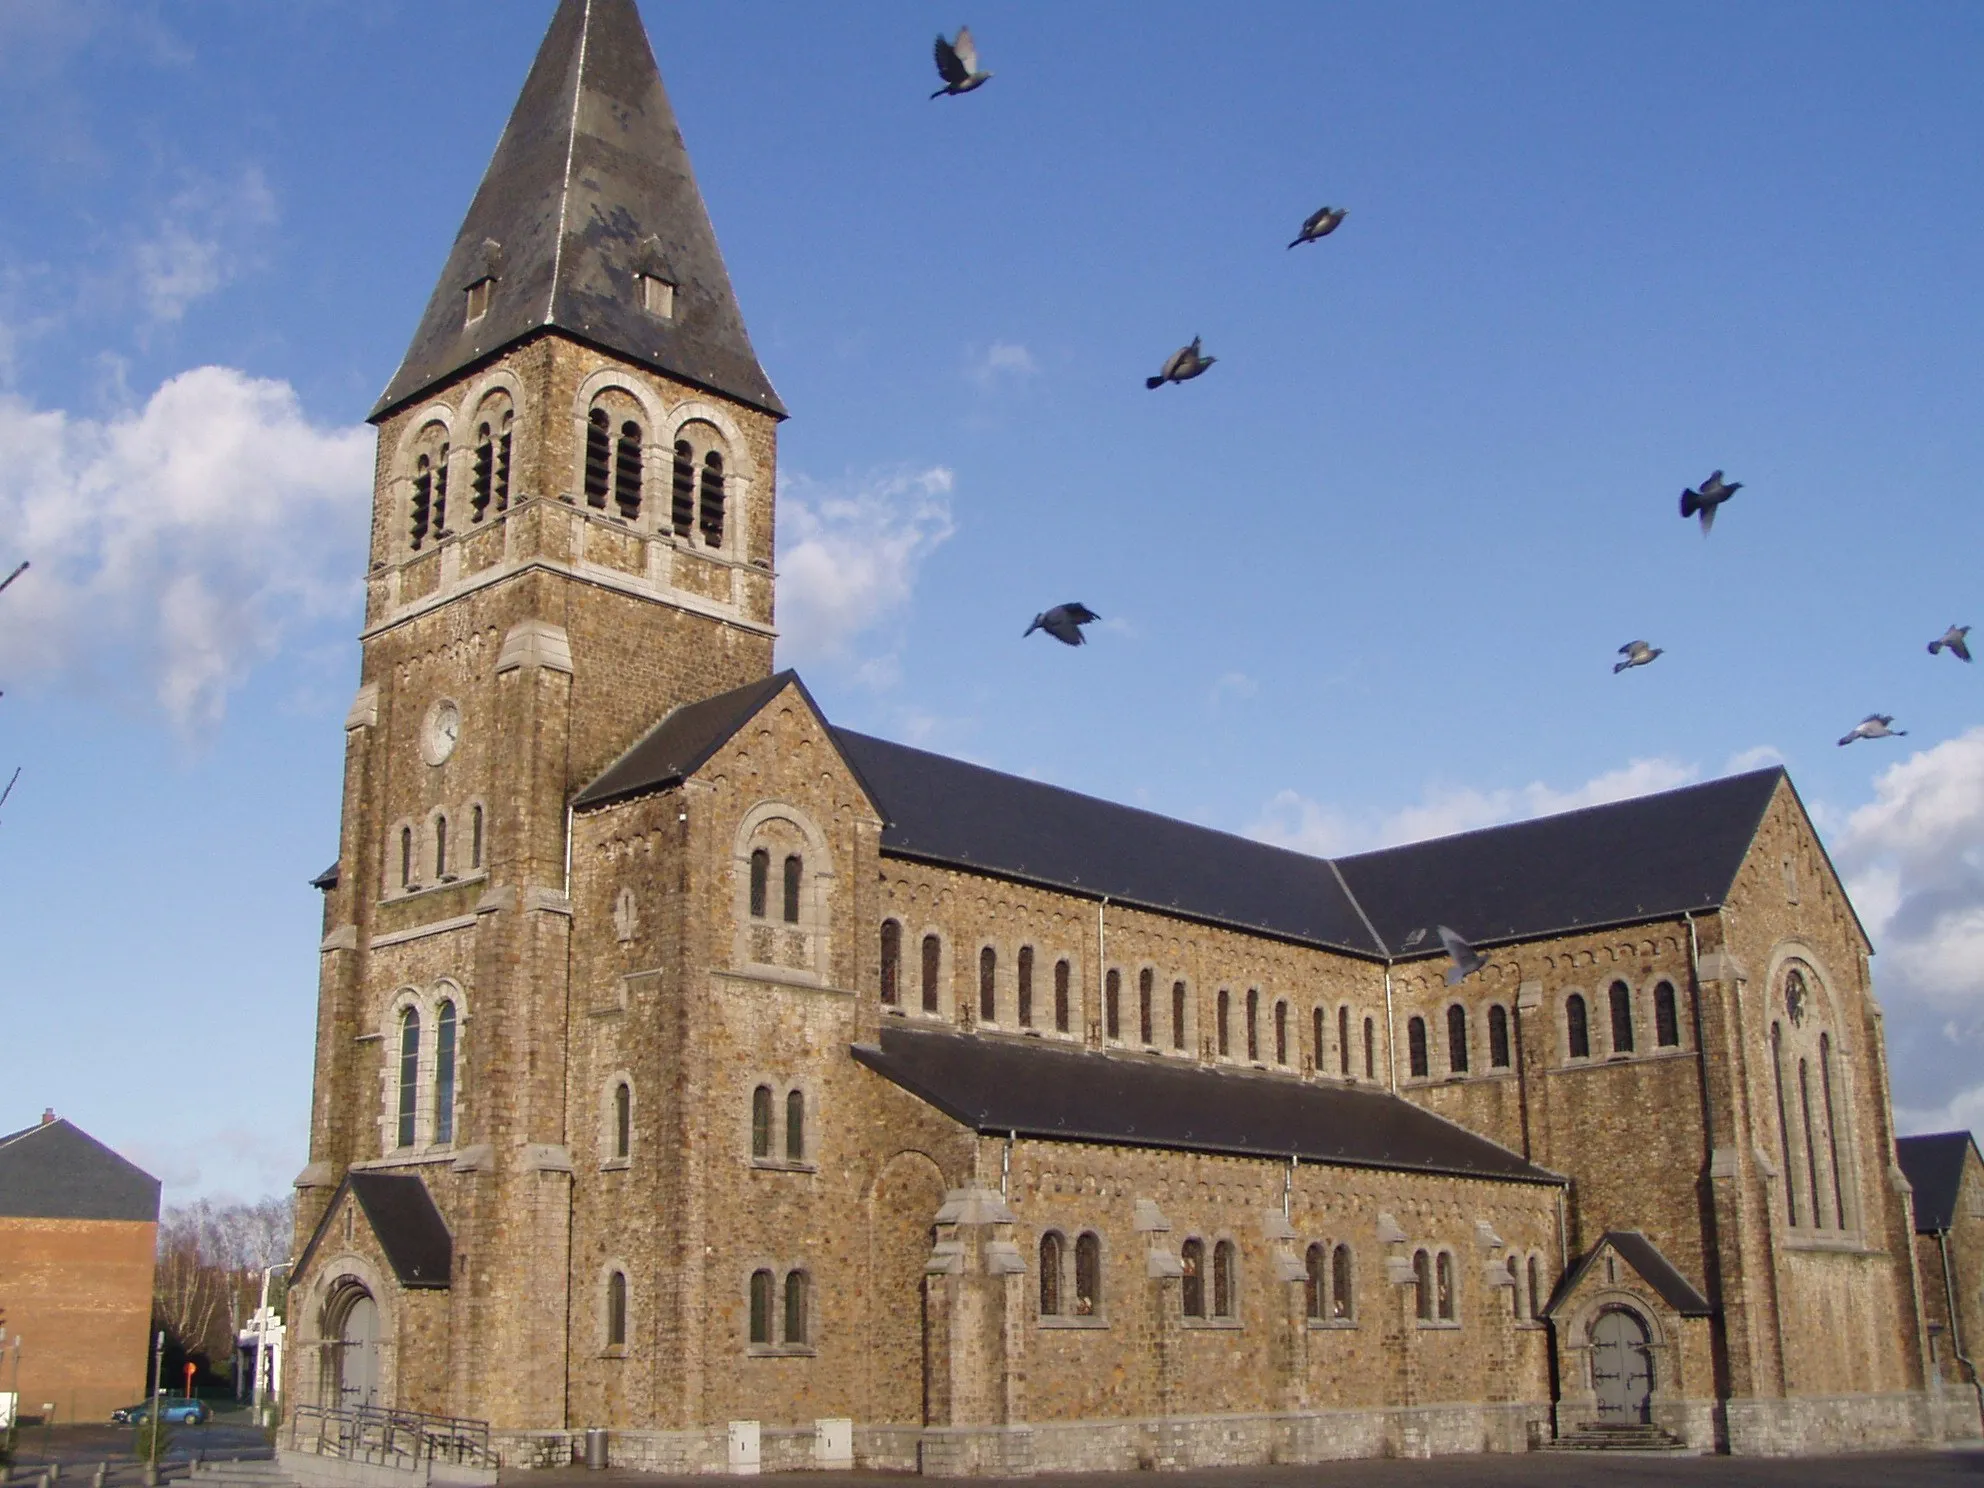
(196, 248)
(174, 543)
(1002, 361)
(849, 554)
(1753, 759)
(1291, 819)
(1963, 1111)
(1914, 861)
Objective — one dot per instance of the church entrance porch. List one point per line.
(354, 1353)
(1621, 1368)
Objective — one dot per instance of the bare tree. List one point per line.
(210, 1260)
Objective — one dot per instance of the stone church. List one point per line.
(692, 1068)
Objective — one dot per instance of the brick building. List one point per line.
(683, 1059)
(1947, 1176)
(78, 1238)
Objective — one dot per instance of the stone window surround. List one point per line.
(1598, 1019)
(609, 1160)
(427, 1004)
(661, 427)
(1068, 1317)
(606, 1274)
(1328, 1321)
(781, 1087)
(460, 848)
(496, 387)
(1824, 1018)
(1235, 1320)
(815, 891)
(1434, 1323)
(776, 1320)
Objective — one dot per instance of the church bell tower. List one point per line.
(572, 533)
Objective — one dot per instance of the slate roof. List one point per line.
(946, 811)
(1654, 1268)
(1651, 857)
(589, 186)
(1934, 1165)
(56, 1170)
(1040, 1090)
(410, 1228)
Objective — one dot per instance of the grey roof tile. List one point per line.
(589, 186)
(56, 1170)
(1934, 1165)
(1654, 1268)
(409, 1227)
(1041, 1090)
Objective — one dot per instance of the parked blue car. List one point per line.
(173, 1412)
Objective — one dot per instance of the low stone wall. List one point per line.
(1812, 1425)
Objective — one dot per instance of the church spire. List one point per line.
(588, 221)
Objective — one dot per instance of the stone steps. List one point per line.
(261, 1472)
(1592, 1436)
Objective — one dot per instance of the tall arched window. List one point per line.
(616, 1309)
(988, 985)
(1343, 1042)
(1832, 1128)
(1112, 997)
(795, 1307)
(761, 1121)
(761, 874)
(1371, 1048)
(623, 1119)
(761, 1307)
(1050, 1274)
(409, 1109)
(1063, 1015)
(1315, 1283)
(1443, 1285)
(440, 848)
(795, 871)
(1622, 1018)
(444, 1072)
(1254, 1023)
(1192, 1286)
(1422, 1284)
(1535, 1288)
(1577, 1030)
(1280, 1032)
(682, 508)
(933, 953)
(1783, 1123)
(1498, 1037)
(1415, 1044)
(1457, 1039)
(599, 457)
(1225, 1283)
(1177, 1015)
(1811, 1146)
(1023, 987)
(406, 857)
(1146, 1014)
(1225, 1017)
(627, 472)
(1666, 1024)
(712, 513)
(1088, 1274)
(891, 962)
(1343, 1292)
(795, 1126)
(475, 837)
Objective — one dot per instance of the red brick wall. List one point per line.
(79, 1293)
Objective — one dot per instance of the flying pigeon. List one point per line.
(1319, 224)
(957, 64)
(1874, 726)
(1954, 639)
(1467, 960)
(1064, 622)
(1181, 366)
(1713, 493)
(1637, 653)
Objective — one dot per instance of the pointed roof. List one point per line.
(1934, 1166)
(56, 1170)
(1633, 1247)
(589, 188)
(407, 1223)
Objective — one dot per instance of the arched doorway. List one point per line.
(353, 1316)
(1621, 1368)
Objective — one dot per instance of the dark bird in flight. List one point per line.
(1953, 638)
(1713, 493)
(1181, 366)
(1319, 224)
(1064, 622)
(957, 64)
(1467, 960)
(1874, 726)
(1637, 653)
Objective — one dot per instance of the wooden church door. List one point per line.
(1621, 1369)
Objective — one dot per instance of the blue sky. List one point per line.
(1361, 582)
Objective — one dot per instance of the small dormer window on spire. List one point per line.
(484, 269)
(478, 299)
(657, 296)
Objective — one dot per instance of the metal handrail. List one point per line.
(414, 1436)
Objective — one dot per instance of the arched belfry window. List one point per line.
(682, 504)
(599, 457)
(445, 1031)
(409, 1102)
(489, 486)
(627, 472)
(711, 517)
(422, 512)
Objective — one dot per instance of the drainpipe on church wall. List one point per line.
(1956, 1327)
(1101, 967)
(1391, 1035)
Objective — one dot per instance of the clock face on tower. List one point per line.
(439, 733)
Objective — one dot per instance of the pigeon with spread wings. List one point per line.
(957, 64)
(1064, 622)
(1467, 960)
